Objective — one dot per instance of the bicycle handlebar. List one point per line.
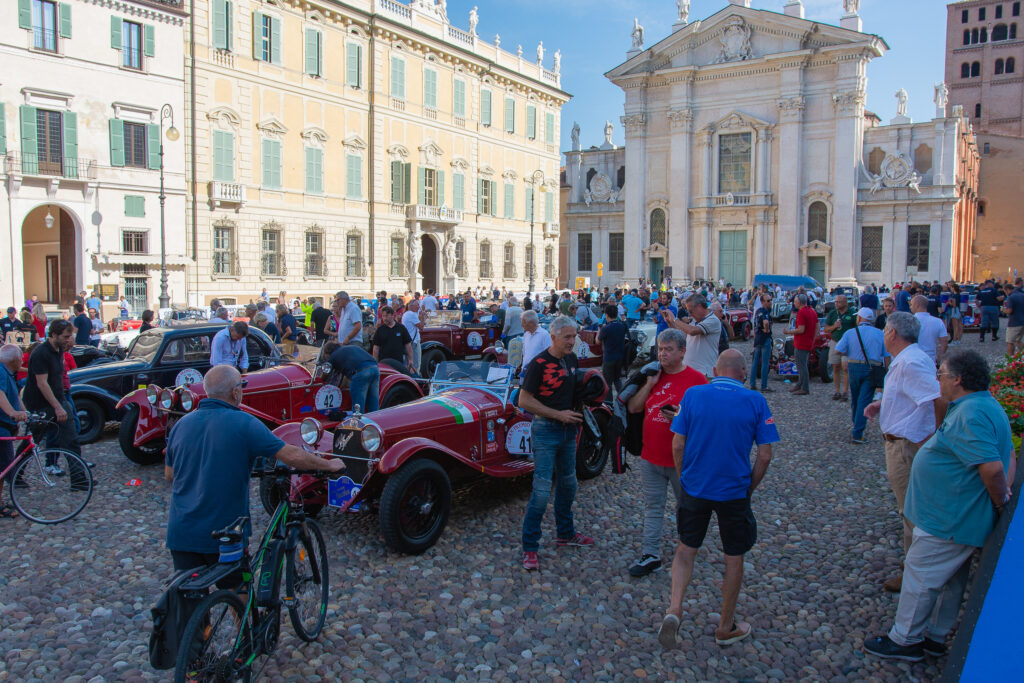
(286, 472)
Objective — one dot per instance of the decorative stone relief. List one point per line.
(792, 108)
(734, 41)
(634, 123)
(398, 152)
(314, 135)
(896, 171)
(272, 128)
(430, 154)
(600, 190)
(680, 118)
(849, 102)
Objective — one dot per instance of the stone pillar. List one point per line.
(764, 137)
(634, 220)
(790, 201)
(681, 123)
(849, 110)
(704, 145)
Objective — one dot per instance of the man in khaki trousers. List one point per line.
(910, 407)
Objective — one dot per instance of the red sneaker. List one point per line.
(530, 561)
(577, 540)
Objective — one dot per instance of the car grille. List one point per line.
(349, 445)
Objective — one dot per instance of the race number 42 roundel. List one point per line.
(328, 398)
(517, 440)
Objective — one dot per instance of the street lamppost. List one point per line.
(533, 201)
(166, 112)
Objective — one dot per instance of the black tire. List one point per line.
(270, 496)
(47, 498)
(397, 395)
(591, 457)
(429, 361)
(824, 368)
(490, 358)
(414, 506)
(91, 417)
(151, 453)
(308, 583)
(214, 625)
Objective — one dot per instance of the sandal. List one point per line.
(8, 512)
(738, 633)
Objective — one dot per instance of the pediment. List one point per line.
(272, 127)
(355, 143)
(737, 120)
(816, 246)
(314, 135)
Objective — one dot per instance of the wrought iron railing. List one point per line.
(73, 168)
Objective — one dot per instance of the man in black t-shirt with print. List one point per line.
(393, 341)
(547, 393)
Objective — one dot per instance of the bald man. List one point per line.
(715, 427)
(210, 453)
(933, 338)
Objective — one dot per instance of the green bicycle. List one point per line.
(225, 634)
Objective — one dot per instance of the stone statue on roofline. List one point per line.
(851, 6)
(575, 136)
(901, 102)
(683, 9)
(474, 18)
(637, 34)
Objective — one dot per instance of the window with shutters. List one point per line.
(485, 260)
(485, 108)
(510, 200)
(131, 45)
(658, 227)
(871, 248)
(354, 65)
(616, 251)
(487, 196)
(817, 222)
(354, 255)
(509, 261)
(313, 53)
(50, 142)
(734, 155)
(134, 206)
(549, 128)
(398, 78)
(314, 170)
(44, 25)
(314, 250)
(264, 38)
(459, 97)
(223, 32)
(460, 258)
(223, 156)
(223, 250)
(459, 191)
(430, 193)
(271, 163)
(401, 175)
(135, 153)
(918, 245)
(353, 176)
(398, 265)
(531, 122)
(549, 262)
(271, 260)
(430, 89)
(549, 206)
(510, 115)
(134, 242)
(584, 251)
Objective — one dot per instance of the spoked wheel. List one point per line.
(308, 583)
(414, 506)
(51, 486)
(147, 454)
(216, 641)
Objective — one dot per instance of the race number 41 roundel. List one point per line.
(517, 440)
(328, 398)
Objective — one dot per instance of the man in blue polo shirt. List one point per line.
(633, 305)
(715, 427)
(210, 453)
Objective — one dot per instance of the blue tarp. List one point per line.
(787, 282)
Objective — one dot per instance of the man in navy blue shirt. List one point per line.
(361, 368)
(715, 427)
(903, 298)
(612, 338)
(83, 325)
(210, 453)
(989, 298)
(468, 307)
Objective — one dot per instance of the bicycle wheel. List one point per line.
(216, 642)
(308, 583)
(51, 485)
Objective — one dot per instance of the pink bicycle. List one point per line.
(47, 485)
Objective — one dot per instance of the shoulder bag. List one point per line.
(876, 373)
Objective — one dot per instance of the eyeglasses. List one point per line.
(940, 374)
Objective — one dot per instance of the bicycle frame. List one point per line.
(19, 456)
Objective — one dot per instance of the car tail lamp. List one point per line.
(187, 400)
(166, 399)
(311, 431)
(371, 438)
(152, 394)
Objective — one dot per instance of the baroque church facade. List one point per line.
(749, 150)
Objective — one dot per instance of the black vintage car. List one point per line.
(165, 356)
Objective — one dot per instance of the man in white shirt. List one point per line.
(701, 335)
(430, 301)
(910, 407)
(933, 338)
(535, 337)
(348, 320)
(513, 326)
(267, 310)
(413, 319)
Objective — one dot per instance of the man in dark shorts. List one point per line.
(547, 393)
(714, 430)
(612, 338)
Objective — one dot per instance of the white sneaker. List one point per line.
(54, 470)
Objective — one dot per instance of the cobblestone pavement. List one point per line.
(75, 598)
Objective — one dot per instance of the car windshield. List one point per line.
(473, 372)
(145, 347)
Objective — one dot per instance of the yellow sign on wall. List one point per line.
(600, 268)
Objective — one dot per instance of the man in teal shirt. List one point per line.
(958, 486)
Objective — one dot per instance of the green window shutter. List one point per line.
(549, 128)
(353, 177)
(440, 189)
(257, 36)
(459, 97)
(480, 195)
(115, 32)
(421, 191)
(353, 66)
(397, 78)
(134, 206)
(396, 182)
(3, 130)
(221, 10)
(314, 170)
(70, 144)
(271, 163)
(65, 20)
(485, 107)
(312, 52)
(493, 187)
(116, 142)
(529, 205)
(430, 88)
(510, 115)
(223, 156)
(153, 145)
(407, 183)
(25, 14)
(29, 144)
(510, 197)
(531, 122)
(459, 191)
(549, 207)
(275, 40)
(149, 40)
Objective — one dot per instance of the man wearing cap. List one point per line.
(9, 324)
(863, 346)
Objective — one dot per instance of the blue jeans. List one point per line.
(990, 321)
(762, 354)
(554, 453)
(365, 389)
(860, 396)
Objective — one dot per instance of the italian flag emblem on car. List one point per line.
(462, 412)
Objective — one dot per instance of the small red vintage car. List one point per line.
(738, 322)
(403, 462)
(446, 338)
(290, 391)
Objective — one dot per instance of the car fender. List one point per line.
(152, 423)
(387, 381)
(426, 346)
(106, 400)
(401, 452)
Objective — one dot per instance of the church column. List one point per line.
(849, 107)
(704, 139)
(636, 193)
(764, 136)
(791, 113)
(681, 123)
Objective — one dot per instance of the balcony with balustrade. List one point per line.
(434, 214)
(226, 194)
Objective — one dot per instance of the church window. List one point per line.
(923, 159)
(734, 155)
(658, 226)
(620, 177)
(918, 239)
(975, 69)
(875, 159)
(965, 70)
(999, 66)
(967, 36)
(999, 32)
(871, 248)
(977, 110)
(817, 222)
(1010, 65)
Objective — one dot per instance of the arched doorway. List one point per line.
(50, 255)
(428, 263)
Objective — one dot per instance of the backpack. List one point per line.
(170, 615)
(723, 339)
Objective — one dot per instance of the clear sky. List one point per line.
(594, 35)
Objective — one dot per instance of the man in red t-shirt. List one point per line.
(804, 332)
(659, 398)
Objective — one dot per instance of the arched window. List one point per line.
(999, 66)
(875, 159)
(967, 36)
(965, 70)
(590, 176)
(999, 32)
(620, 177)
(817, 222)
(984, 35)
(923, 159)
(658, 226)
(1013, 31)
(1011, 64)
(975, 72)
(974, 36)
(977, 110)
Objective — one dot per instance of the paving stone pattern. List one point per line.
(75, 598)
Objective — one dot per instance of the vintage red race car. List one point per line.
(446, 338)
(738, 323)
(290, 391)
(588, 351)
(783, 357)
(403, 462)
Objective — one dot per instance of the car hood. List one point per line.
(92, 373)
(452, 407)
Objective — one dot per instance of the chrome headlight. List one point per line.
(499, 347)
(371, 438)
(166, 399)
(326, 368)
(641, 338)
(187, 400)
(152, 394)
(311, 431)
